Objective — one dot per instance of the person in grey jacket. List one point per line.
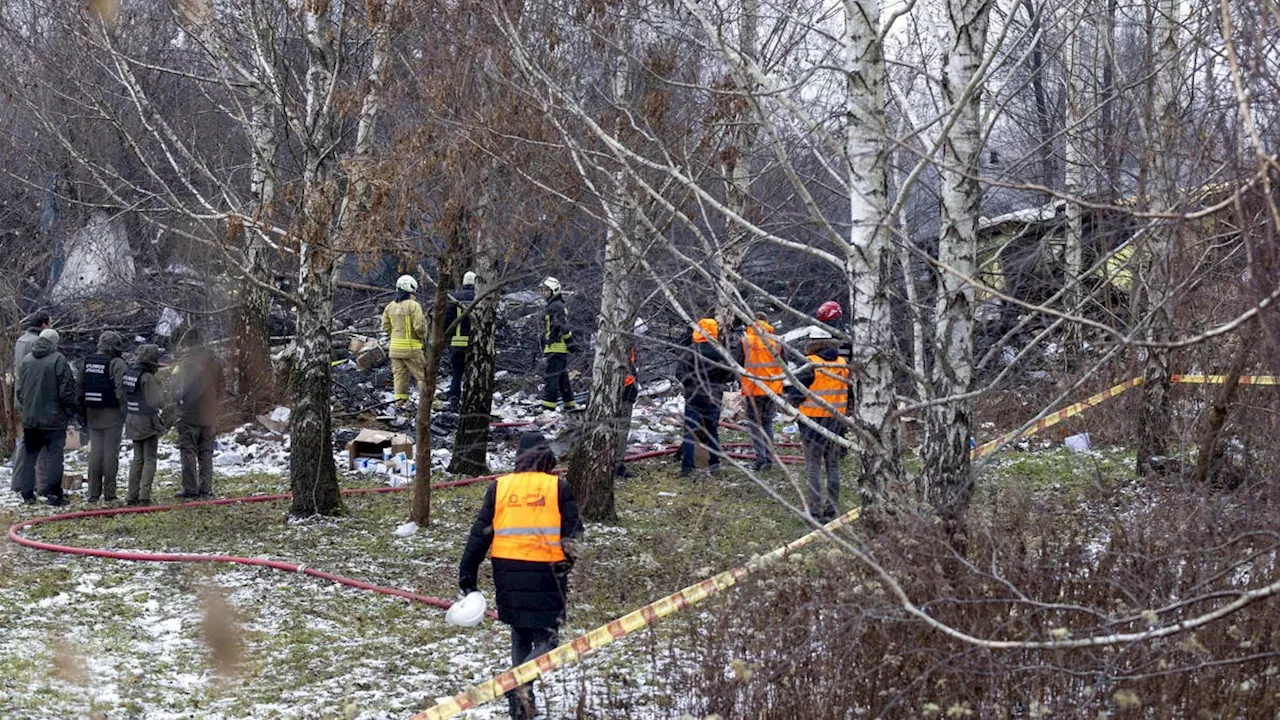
(34, 324)
(197, 393)
(49, 399)
(144, 424)
(103, 400)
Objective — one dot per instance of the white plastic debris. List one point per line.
(281, 414)
(169, 321)
(1078, 443)
(407, 530)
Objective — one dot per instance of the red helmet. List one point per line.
(829, 310)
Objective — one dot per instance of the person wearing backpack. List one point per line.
(143, 424)
(102, 397)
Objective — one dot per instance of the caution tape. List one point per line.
(1071, 410)
(1220, 379)
(1057, 417)
(632, 622)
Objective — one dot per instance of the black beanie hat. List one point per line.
(534, 454)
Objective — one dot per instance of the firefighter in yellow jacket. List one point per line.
(406, 325)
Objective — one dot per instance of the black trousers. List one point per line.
(457, 366)
(527, 644)
(556, 382)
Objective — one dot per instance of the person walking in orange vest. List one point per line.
(528, 523)
(824, 399)
(760, 353)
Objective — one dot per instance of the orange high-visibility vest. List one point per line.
(760, 360)
(526, 518)
(831, 383)
(630, 379)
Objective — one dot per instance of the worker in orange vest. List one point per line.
(759, 353)
(528, 523)
(822, 393)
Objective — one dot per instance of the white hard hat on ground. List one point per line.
(468, 278)
(407, 283)
(468, 611)
(551, 284)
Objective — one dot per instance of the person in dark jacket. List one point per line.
(528, 523)
(630, 393)
(198, 391)
(459, 317)
(557, 343)
(823, 400)
(703, 371)
(144, 423)
(21, 349)
(102, 398)
(49, 399)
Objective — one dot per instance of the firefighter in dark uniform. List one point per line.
(460, 318)
(557, 343)
(528, 523)
(102, 397)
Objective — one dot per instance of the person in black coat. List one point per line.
(704, 371)
(459, 317)
(530, 592)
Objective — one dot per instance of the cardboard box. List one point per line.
(71, 482)
(371, 443)
(357, 343)
(371, 357)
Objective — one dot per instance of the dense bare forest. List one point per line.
(1017, 205)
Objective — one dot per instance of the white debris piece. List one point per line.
(281, 414)
(169, 322)
(1078, 443)
(407, 529)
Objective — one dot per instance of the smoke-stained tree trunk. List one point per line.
(1157, 278)
(869, 255)
(946, 475)
(471, 443)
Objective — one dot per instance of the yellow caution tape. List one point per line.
(1220, 379)
(1057, 417)
(572, 651)
(1069, 411)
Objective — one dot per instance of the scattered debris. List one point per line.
(1078, 443)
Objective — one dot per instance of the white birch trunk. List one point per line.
(1157, 283)
(251, 346)
(869, 256)
(736, 162)
(1073, 181)
(947, 475)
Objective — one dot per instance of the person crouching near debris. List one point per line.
(826, 380)
(143, 424)
(528, 522)
(102, 395)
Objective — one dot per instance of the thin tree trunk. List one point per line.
(1074, 182)
(592, 461)
(471, 443)
(947, 475)
(1209, 457)
(869, 256)
(1035, 61)
(420, 509)
(736, 161)
(1158, 282)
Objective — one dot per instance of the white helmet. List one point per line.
(818, 333)
(407, 284)
(552, 284)
(468, 278)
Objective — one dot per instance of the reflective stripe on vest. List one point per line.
(135, 400)
(459, 340)
(401, 327)
(559, 346)
(97, 389)
(760, 360)
(526, 518)
(831, 383)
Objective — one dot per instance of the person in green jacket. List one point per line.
(198, 392)
(49, 400)
(35, 323)
(102, 398)
(144, 423)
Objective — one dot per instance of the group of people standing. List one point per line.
(820, 392)
(113, 399)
